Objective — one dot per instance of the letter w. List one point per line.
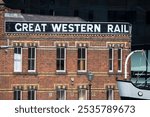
(56, 27)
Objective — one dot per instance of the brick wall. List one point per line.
(46, 79)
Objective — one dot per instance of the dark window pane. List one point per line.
(119, 64)
(60, 58)
(58, 52)
(119, 59)
(83, 52)
(60, 94)
(15, 50)
(119, 53)
(110, 53)
(31, 58)
(79, 65)
(62, 65)
(32, 64)
(62, 53)
(110, 64)
(31, 94)
(33, 53)
(19, 50)
(28, 95)
(17, 95)
(29, 52)
(79, 52)
(81, 58)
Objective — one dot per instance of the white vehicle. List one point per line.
(133, 91)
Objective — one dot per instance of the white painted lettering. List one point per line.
(117, 29)
(83, 27)
(109, 28)
(24, 27)
(56, 27)
(89, 28)
(30, 27)
(43, 27)
(64, 27)
(71, 29)
(77, 27)
(97, 28)
(18, 27)
(37, 28)
(125, 29)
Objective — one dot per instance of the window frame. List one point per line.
(60, 94)
(81, 95)
(30, 59)
(61, 59)
(30, 96)
(17, 60)
(120, 60)
(111, 59)
(82, 59)
(14, 96)
(110, 94)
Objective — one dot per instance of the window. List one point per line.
(82, 53)
(17, 94)
(32, 94)
(110, 94)
(82, 93)
(138, 62)
(61, 94)
(17, 59)
(31, 59)
(110, 60)
(61, 59)
(119, 60)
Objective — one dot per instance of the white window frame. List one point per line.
(81, 94)
(61, 71)
(34, 94)
(59, 90)
(31, 59)
(112, 59)
(17, 60)
(85, 61)
(20, 93)
(110, 94)
(120, 60)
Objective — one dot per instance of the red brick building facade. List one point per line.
(50, 66)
